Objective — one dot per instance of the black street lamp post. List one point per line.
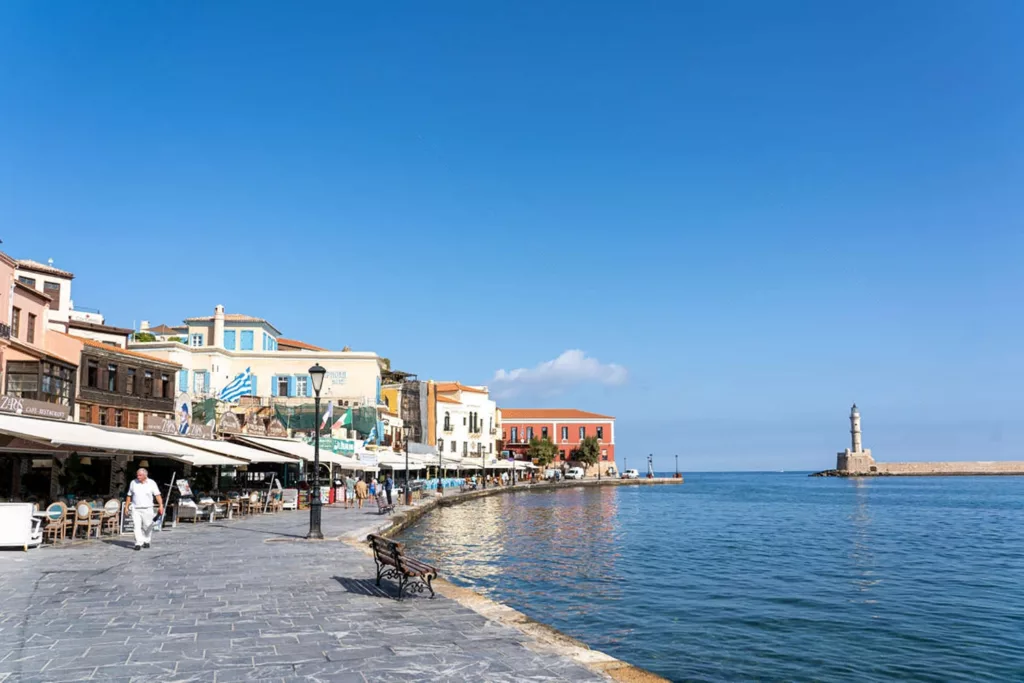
(440, 456)
(406, 431)
(316, 373)
(483, 465)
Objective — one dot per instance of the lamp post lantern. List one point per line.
(316, 374)
(406, 433)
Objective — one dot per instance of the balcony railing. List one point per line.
(5, 331)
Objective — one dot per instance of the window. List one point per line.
(22, 379)
(118, 417)
(15, 322)
(529, 433)
(31, 336)
(111, 377)
(147, 383)
(583, 433)
(129, 382)
(565, 433)
(448, 424)
(515, 435)
(92, 374)
(543, 432)
(195, 339)
(463, 420)
(600, 433)
(282, 386)
(58, 384)
(229, 340)
(201, 382)
(465, 448)
(103, 416)
(166, 389)
(561, 455)
(302, 385)
(455, 446)
(490, 425)
(604, 453)
(30, 281)
(490, 447)
(246, 341)
(52, 290)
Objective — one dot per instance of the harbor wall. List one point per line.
(949, 468)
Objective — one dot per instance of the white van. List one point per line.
(575, 473)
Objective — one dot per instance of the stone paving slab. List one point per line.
(240, 601)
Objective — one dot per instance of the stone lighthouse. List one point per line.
(855, 460)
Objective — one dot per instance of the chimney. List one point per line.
(218, 326)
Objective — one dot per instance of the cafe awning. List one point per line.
(230, 449)
(75, 435)
(302, 450)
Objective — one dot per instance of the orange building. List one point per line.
(565, 427)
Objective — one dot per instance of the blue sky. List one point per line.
(756, 213)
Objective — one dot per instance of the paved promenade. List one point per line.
(244, 600)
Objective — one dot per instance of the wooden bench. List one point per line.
(393, 563)
(383, 505)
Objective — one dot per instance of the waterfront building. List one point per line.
(565, 427)
(38, 366)
(464, 420)
(118, 387)
(216, 349)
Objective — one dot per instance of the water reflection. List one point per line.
(560, 544)
(863, 555)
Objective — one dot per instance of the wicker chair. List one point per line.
(55, 526)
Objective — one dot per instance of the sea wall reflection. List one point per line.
(557, 541)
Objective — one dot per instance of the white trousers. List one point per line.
(142, 521)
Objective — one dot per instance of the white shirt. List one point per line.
(143, 494)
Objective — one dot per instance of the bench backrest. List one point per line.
(387, 551)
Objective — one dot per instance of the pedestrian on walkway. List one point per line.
(141, 493)
(373, 487)
(350, 491)
(389, 484)
(360, 492)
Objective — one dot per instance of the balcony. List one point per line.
(5, 331)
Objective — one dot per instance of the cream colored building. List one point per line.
(217, 348)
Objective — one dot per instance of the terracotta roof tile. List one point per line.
(455, 386)
(29, 264)
(296, 344)
(165, 329)
(550, 414)
(127, 352)
(445, 399)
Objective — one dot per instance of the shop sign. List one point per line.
(254, 425)
(229, 423)
(337, 378)
(275, 428)
(32, 408)
(367, 458)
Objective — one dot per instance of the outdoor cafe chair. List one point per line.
(111, 516)
(55, 527)
(87, 518)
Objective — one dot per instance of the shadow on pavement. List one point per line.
(362, 587)
(255, 531)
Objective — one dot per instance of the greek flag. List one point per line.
(239, 386)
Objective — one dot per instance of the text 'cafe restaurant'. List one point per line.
(43, 457)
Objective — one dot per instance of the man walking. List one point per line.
(140, 501)
(389, 484)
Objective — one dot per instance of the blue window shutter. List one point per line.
(206, 380)
(255, 390)
(309, 385)
(182, 380)
(273, 385)
(246, 340)
(229, 340)
(291, 385)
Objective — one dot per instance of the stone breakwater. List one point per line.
(543, 636)
(932, 469)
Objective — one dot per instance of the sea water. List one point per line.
(760, 576)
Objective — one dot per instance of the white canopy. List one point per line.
(397, 462)
(302, 450)
(75, 434)
(229, 449)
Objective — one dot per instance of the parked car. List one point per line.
(630, 474)
(551, 475)
(575, 473)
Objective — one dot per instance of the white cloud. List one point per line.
(571, 368)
